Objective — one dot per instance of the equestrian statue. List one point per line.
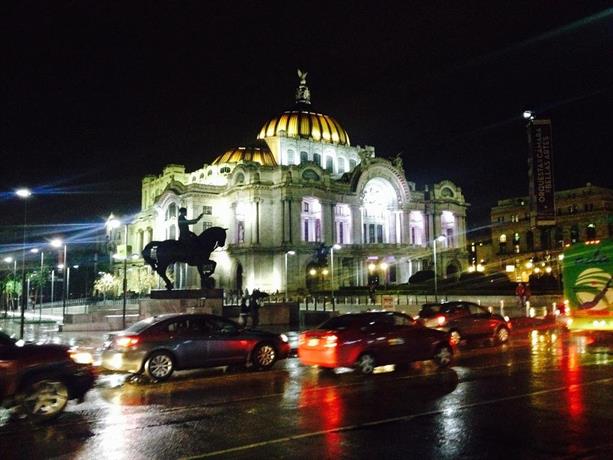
(195, 250)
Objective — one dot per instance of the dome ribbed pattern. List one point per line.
(243, 154)
(304, 124)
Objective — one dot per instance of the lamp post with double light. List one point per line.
(58, 243)
(287, 253)
(439, 239)
(113, 224)
(24, 194)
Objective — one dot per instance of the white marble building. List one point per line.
(303, 185)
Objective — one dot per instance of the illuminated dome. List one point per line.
(259, 155)
(305, 124)
(302, 122)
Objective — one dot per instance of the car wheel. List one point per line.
(502, 335)
(44, 399)
(365, 364)
(442, 355)
(264, 356)
(160, 366)
(455, 338)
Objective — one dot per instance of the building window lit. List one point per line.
(311, 219)
(207, 210)
(291, 157)
(590, 232)
(330, 165)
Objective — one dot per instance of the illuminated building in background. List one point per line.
(582, 214)
(303, 184)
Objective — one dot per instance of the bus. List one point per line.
(587, 269)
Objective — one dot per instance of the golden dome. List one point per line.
(259, 155)
(306, 124)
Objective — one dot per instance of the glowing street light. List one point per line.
(528, 115)
(287, 253)
(439, 239)
(24, 194)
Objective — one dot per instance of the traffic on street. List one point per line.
(542, 394)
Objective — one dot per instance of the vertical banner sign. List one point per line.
(542, 172)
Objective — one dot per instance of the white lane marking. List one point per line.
(402, 418)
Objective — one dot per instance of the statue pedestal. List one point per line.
(182, 301)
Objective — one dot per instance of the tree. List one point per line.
(107, 283)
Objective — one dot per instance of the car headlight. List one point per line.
(284, 338)
(81, 357)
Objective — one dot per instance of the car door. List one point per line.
(187, 343)
(225, 344)
(461, 320)
(481, 319)
(416, 336)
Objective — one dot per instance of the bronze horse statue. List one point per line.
(197, 253)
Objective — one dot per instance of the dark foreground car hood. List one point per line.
(47, 350)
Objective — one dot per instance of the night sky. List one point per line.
(96, 94)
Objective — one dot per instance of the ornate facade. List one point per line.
(301, 188)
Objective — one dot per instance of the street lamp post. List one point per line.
(287, 253)
(332, 249)
(8, 260)
(24, 194)
(57, 243)
(40, 282)
(440, 239)
(114, 223)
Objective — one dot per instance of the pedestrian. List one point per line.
(520, 293)
(244, 311)
(254, 308)
(527, 294)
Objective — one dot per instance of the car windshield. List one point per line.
(430, 310)
(141, 325)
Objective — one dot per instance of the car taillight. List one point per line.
(126, 342)
(301, 339)
(330, 341)
(441, 320)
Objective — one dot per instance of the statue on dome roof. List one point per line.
(303, 95)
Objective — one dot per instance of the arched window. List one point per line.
(171, 211)
(304, 156)
(341, 165)
(291, 157)
(240, 178)
(311, 219)
(317, 159)
(330, 165)
(352, 164)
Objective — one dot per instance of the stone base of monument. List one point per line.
(182, 301)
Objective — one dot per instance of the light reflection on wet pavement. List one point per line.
(543, 395)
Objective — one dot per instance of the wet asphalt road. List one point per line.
(544, 395)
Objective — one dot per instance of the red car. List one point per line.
(37, 381)
(367, 340)
(465, 321)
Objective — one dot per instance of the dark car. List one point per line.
(37, 381)
(162, 344)
(465, 321)
(367, 340)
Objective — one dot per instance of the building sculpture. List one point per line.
(302, 188)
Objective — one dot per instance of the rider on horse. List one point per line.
(187, 237)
